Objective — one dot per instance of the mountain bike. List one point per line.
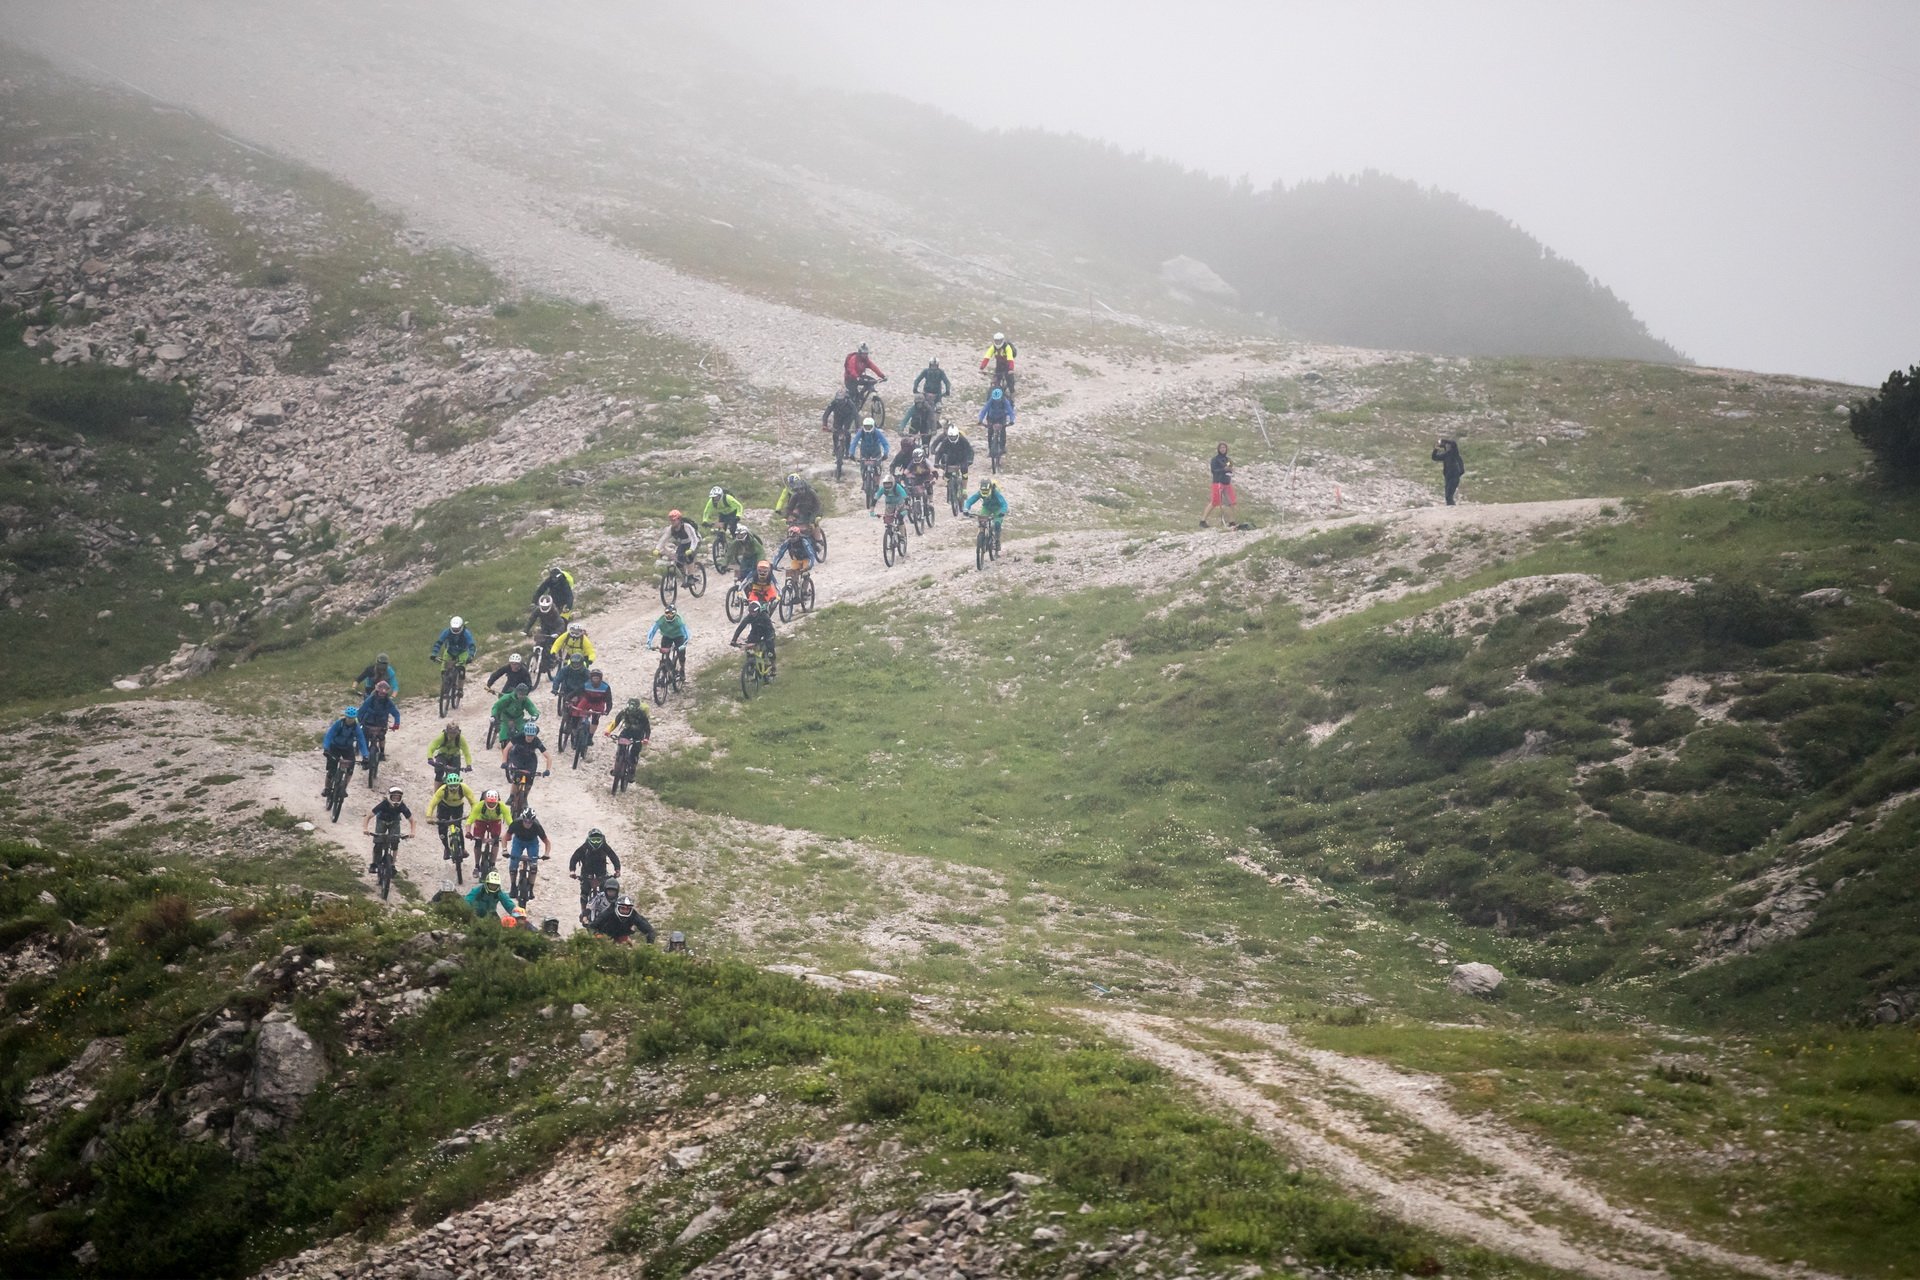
(549, 662)
(493, 731)
(719, 545)
(376, 751)
(453, 840)
(453, 684)
(486, 851)
(673, 576)
(986, 543)
(1003, 376)
(755, 669)
(797, 594)
(625, 760)
(893, 539)
(339, 775)
(525, 873)
(736, 602)
(868, 404)
(920, 500)
(519, 789)
(386, 846)
(842, 441)
(956, 491)
(996, 443)
(869, 480)
(670, 675)
(582, 739)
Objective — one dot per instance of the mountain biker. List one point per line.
(992, 502)
(748, 550)
(622, 922)
(869, 442)
(449, 751)
(457, 640)
(559, 585)
(758, 624)
(513, 672)
(909, 452)
(448, 805)
(489, 816)
(574, 640)
(487, 898)
(602, 898)
(891, 498)
(933, 382)
(858, 364)
(998, 410)
(547, 618)
(513, 709)
(761, 586)
(632, 722)
(796, 550)
(524, 751)
(798, 502)
(679, 541)
(1220, 466)
(596, 698)
(838, 415)
(388, 814)
(724, 508)
(589, 862)
(528, 839)
(673, 633)
(377, 670)
(571, 680)
(343, 740)
(379, 709)
(1000, 354)
(952, 451)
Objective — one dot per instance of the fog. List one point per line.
(1741, 172)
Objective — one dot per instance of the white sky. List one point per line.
(1745, 174)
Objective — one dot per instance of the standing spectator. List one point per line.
(1222, 486)
(1447, 453)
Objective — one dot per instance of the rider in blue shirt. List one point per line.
(869, 442)
(457, 640)
(379, 708)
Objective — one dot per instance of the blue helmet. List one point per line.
(351, 713)
(998, 394)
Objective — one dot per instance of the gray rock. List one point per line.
(1048, 1235)
(267, 413)
(86, 1257)
(581, 1013)
(684, 1159)
(267, 329)
(591, 1040)
(1475, 979)
(287, 1066)
(1025, 1179)
(702, 1223)
(170, 352)
(1826, 598)
(85, 211)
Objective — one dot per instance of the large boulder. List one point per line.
(287, 1066)
(1475, 979)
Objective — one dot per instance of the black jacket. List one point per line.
(1448, 456)
(590, 861)
(933, 381)
(614, 925)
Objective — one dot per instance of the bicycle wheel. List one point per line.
(662, 682)
(980, 550)
(493, 731)
(339, 800)
(869, 485)
(736, 603)
(697, 580)
(459, 686)
(669, 586)
(375, 750)
(806, 590)
(993, 545)
(926, 509)
(582, 739)
(620, 756)
(913, 515)
(446, 694)
(717, 550)
(820, 542)
(877, 410)
(786, 602)
(383, 871)
(457, 847)
(749, 677)
(887, 552)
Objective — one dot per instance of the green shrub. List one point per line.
(109, 402)
(1887, 425)
(1668, 632)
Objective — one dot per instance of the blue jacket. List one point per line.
(994, 506)
(997, 412)
(869, 444)
(685, 636)
(786, 545)
(462, 646)
(344, 734)
(379, 709)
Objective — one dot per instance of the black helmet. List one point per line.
(596, 836)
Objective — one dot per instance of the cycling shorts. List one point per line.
(487, 828)
(527, 847)
(1223, 494)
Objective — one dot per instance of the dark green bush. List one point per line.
(1887, 425)
(104, 401)
(1669, 632)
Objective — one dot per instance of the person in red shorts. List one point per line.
(1222, 486)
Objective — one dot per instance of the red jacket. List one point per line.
(858, 364)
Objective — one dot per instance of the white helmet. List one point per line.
(953, 431)
(868, 424)
(515, 660)
(576, 628)
(546, 603)
(999, 337)
(716, 492)
(456, 622)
